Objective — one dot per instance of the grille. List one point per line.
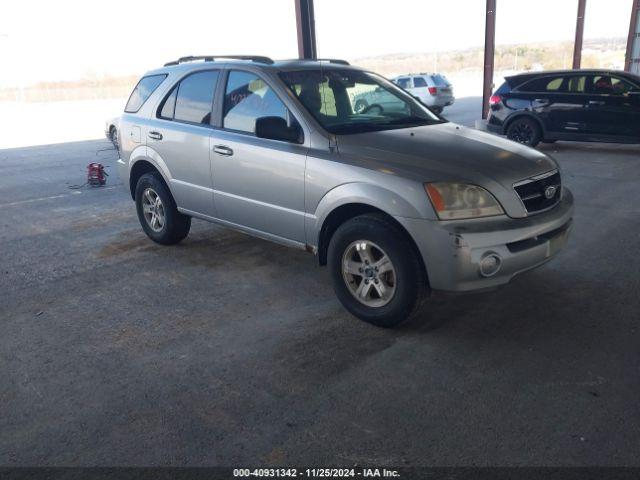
(532, 191)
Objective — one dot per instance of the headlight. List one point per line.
(453, 201)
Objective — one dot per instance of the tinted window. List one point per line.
(576, 84)
(248, 98)
(419, 82)
(403, 82)
(145, 87)
(195, 97)
(607, 85)
(544, 84)
(169, 105)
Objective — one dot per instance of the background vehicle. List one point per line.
(111, 130)
(432, 89)
(581, 105)
(279, 150)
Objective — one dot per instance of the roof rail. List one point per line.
(212, 58)
(332, 60)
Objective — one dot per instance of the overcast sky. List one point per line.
(70, 39)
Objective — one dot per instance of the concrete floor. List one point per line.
(228, 350)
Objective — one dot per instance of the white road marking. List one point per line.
(53, 197)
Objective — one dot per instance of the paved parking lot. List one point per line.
(228, 350)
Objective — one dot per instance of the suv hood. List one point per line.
(445, 152)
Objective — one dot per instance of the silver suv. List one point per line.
(397, 202)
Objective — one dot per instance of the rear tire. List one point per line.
(401, 277)
(157, 211)
(524, 130)
(113, 136)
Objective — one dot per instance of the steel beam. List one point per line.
(489, 50)
(631, 63)
(577, 44)
(306, 28)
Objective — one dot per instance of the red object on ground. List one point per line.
(96, 176)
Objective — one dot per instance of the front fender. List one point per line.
(368, 194)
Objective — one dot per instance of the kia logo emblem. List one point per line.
(549, 192)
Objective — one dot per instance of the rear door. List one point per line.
(559, 101)
(613, 110)
(179, 136)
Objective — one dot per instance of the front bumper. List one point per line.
(453, 251)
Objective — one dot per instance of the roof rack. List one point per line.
(212, 58)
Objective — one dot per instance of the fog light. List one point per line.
(490, 264)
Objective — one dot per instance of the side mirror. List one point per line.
(276, 128)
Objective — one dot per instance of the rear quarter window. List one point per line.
(419, 82)
(543, 84)
(145, 87)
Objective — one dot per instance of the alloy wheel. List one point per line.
(368, 273)
(522, 133)
(153, 210)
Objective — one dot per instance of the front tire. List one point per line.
(157, 211)
(524, 130)
(376, 272)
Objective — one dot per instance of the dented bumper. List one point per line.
(468, 255)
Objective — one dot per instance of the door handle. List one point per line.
(596, 102)
(223, 150)
(541, 100)
(155, 135)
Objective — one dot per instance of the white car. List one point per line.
(111, 130)
(432, 89)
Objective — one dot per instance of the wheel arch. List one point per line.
(139, 168)
(528, 114)
(347, 211)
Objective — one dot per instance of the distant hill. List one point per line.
(596, 53)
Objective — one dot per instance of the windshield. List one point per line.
(351, 101)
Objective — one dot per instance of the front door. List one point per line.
(258, 183)
(179, 135)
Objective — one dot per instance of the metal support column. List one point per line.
(632, 58)
(577, 45)
(489, 50)
(306, 28)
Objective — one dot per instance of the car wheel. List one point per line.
(113, 135)
(376, 272)
(524, 130)
(360, 106)
(157, 212)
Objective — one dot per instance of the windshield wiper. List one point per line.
(411, 121)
